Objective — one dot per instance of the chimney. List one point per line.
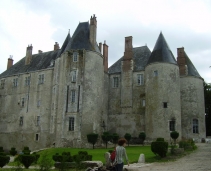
(93, 30)
(181, 61)
(56, 46)
(100, 46)
(10, 62)
(28, 54)
(39, 51)
(128, 48)
(105, 55)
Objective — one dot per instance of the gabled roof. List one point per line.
(191, 68)
(39, 61)
(161, 52)
(140, 58)
(80, 39)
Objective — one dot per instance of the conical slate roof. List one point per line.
(161, 52)
(191, 68)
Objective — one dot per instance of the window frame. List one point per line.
(38, 121)
(27, 81)
(15, 82)
(195, 126)
(21, 121)
(36, 137)
(155, 73)
(74, 76)
(22, 102)
(172, 124)
(140, 79)
(115, 82)
(165, 105)
(75, 56)
(41, 79)
(71, 124)
(143, 102)
(73, 96)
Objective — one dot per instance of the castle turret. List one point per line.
(192, 98)
(93, 30)
(163, 109)
(28, 57)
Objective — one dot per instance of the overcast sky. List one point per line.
(184, 23)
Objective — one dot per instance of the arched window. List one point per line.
(195, 126)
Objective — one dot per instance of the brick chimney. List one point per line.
(39, 51)
(28, 54)
(56, 46)
(100, 46)
(10, 62)
(105, 55)
(181, 61)
(93, 30)
(128, 54)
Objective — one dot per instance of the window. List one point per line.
(38, 120)
(75, 57)
(71, 123)
(74, 76)
(27, 81)
(2, 84)
(116, 82)
(41, 79)
(15, 82)
(165, 104)
(172, 125)
(73, 96)
(22, 102)
(140, 79)
(38, 103)
(143, 103)
(195, 126)
(21, 121)
(155, 73)
(37, 137)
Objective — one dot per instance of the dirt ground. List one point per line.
(199, 160)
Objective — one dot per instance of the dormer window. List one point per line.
(75, 57)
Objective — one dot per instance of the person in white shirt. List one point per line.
(120, 154)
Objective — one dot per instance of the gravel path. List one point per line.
(200, 160)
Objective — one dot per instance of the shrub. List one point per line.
(92, 138)
(27, 160)
(13, 152)
(64, 157)
(160, 139)
(174, 135)
(106, 137)
(159, 148)
(3, 159)
(44, 162)
(188, 144)
(142, 136)
(115, 138)
(36, 157)
(26, 151)
(127, 137)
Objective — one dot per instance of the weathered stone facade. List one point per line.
(58, 97)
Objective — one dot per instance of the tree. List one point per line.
(174, 135)
(115, 138)
(106, 137)
(207, 98)
(142, 136)
(92, 138)
(127, 137)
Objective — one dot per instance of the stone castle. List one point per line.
(58, 97)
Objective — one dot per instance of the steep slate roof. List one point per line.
(161, 52)
(79, 40)
(140, 57)
(191, 68)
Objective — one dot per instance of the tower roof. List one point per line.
(191, 68)
(161, 52)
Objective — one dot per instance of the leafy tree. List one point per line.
(207, 97)
(142, 136)
(44, 162)
(127, 137)
(174, 135)
(106, 137)
(92, 138)
(3, 159)
(115, 138)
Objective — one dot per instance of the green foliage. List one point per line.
(26, 151)
(188, 144)
(142, 136)
(159, 148)
(13, 152)
(64, 157)
(1, 149)
(106, 137)
(92, 138)
(115, 138)
(44, 162)
(27, 160)
(36, 155)
(174, 135)
(3, 159)
(160, 139)
(127, 137)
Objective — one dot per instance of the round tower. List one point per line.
(192, 98)
(163, 107)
